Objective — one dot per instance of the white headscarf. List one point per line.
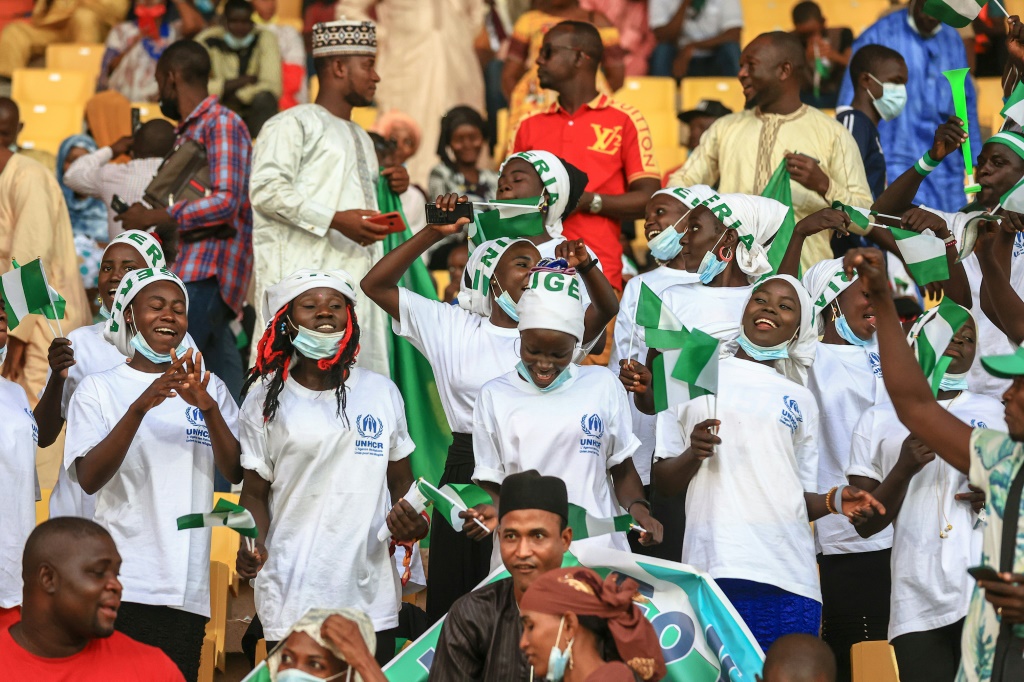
(802, 347)
(475, 287)
(118, 331)
(312, 623)
(691, 197)
(756, 220)
(552, 302)
(143, 242)
(284, 292)
(824, 282)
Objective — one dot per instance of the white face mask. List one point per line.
(892, 101)
(296, 675)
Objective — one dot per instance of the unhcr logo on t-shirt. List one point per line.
(791, 415)
(197, 431)
(593, 429)
(370, 429)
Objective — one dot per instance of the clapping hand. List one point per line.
(193, 390)
(167, 385)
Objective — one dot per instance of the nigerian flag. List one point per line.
(586, 526)
(778, 188)
(1014, 199)
(225, 513)
(923, 254)
(260, 673)
(506, 218)
(956, 13)
(931, 335)
(428, 426)
(661, 327)
(25, 291)
(859, 217)
(686, 372)
(453, 498)
(1014, 107)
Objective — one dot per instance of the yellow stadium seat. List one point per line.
(728, 91)
(75, 57)
(149, 112)
(261, 651)
(854, 14)
(649, 94)
(990, 98)
(224, 544)
(46, 125)
(294, 22)
(47, 86)
(874, 662)
(217, 625)
(289, 9)
(761, 16)
(207, 659)
(43, 505)
(442, 278)
(664, 127)
(364, 116)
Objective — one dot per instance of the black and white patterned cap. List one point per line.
(344, 37)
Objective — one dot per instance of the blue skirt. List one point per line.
(771, 612)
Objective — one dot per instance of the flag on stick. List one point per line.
(861, 218)
(508, 218)
(1014, 107)
(453, 498)
(586, 526)
(1014, 199)
(685, 373)
(225, 513)
(956, 13)
(778, 188)
(662, 329)
(25, 290)
(924, 255)
(931, 335)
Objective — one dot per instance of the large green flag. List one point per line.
(778, 188)
(428, 426)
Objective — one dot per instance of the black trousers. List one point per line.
(931, 655)
(855, 590)
(179, 634)
(457, 563)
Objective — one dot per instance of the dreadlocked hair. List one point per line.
(274, 355)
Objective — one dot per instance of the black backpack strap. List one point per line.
(1007, 552)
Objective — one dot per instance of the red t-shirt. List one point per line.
(118, 657)
(608, 141)
(9, 617)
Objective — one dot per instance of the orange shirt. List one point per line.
(608, 141)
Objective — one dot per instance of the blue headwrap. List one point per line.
(88, 215)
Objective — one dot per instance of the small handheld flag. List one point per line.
(924, 255)
(507, 218)
(225, 513)
(861, 219)
(779, 188)
(453, 498)
(682, 374)
(414, 498)
(1014, 107)
(955, 13)
(586, 526)
(662, 329)
(931, 335)
(25, 291)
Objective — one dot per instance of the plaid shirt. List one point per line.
(229, 150)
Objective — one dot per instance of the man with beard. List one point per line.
(215, 270)
(314, 180)
(71, 597)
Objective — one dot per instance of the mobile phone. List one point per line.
(984, 573)
(136, 119)
(392, 221)
(118, 204)
(437, 216)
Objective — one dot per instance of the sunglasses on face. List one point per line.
(547, 50)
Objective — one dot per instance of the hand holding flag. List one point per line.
(512, 218)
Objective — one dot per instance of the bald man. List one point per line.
(10, 129)
(799, 658)
(71, 597)
(739, 152)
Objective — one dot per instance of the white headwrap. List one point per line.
(555, 178)
(926, 320)
(552, 302)
(803, 346)
(475, 287)
(824, 282)
(312, 623)
(118, 331)
(143, 242)
(756, 220)
(284, 292)
(691, 197)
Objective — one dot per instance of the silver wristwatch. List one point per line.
(596, 203)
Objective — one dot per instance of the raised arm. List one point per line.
(604, 304)
(1000, 302)
(911, 396)
(899, 195)
(819, 221)
(957, 287)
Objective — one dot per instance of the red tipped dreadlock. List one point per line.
(274, 355)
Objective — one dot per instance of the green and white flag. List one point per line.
(586, 526)
(453, 498)
(861, 218)
(685, 373)
(507, 218)
(662, 329)
(956, 13)
(931, 335)
(26, 291)
(1014, 199)
(225, 513)
(779, 188)
(924, 255)
(1014, 107)
(260, 673)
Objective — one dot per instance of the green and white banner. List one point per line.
(512, 218)
(702, 636)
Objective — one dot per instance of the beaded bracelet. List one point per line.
(926, 164)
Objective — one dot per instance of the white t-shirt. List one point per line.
(577, 432)
(18, 439)
(166, 473)
(846, 381)
(930, 584)
(328, 498)
(464, 349)
(716, 17)
(626, 333)
(93, 354)
(715, 310)
(991, 341)
(746, 517)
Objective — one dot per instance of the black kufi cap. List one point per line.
(530, 490)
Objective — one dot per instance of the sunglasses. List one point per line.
(547, 50)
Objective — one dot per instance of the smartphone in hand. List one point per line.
(118, 204)
(392, 221)
(984, 573)
(437, 216)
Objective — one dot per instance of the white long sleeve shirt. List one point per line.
(94, 176)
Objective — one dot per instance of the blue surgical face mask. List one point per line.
(843, 328)
(953, 382)
(140, 344)
(562, 377)
(13, 147)
(710, 265)
(204, 6)
(3, 355)
(667, 245)
(760, 353)
(104, 313)
(892, 101)
(239, 43)
(296, 675)
(316, 345)
(558, 660)
(506, 303)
